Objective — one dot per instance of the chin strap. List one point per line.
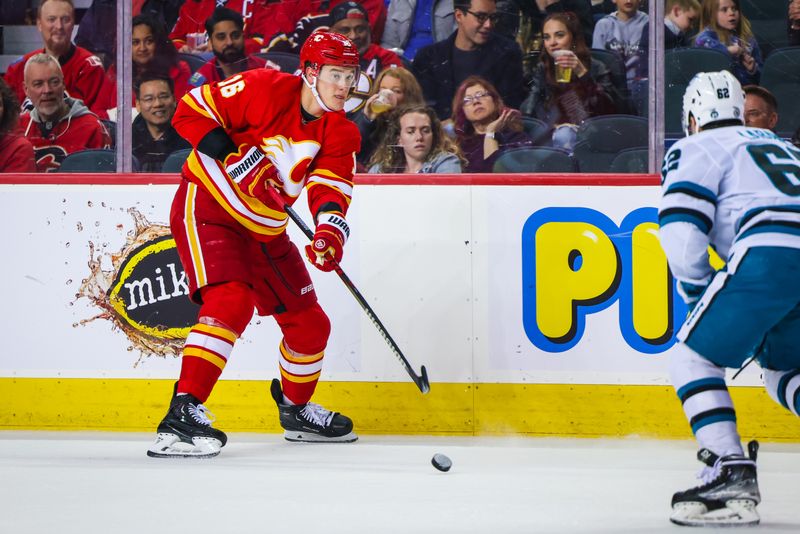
(313, 87)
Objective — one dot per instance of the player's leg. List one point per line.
(210, 253)
(286, 289)
(780, 362)
(726, 326)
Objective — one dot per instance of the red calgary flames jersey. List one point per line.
(262, 108)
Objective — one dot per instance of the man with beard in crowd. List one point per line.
(225, 29)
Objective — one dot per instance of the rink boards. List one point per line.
(539, 304)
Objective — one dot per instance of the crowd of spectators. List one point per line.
(446, 85)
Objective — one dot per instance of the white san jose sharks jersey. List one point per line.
(733, 188)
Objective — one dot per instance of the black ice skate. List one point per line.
(729, 496)
(186, 431)
(311, 422)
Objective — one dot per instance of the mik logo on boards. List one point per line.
(577, 262)
(147, 293)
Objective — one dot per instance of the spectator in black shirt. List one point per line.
(473, 49)
(154, 138)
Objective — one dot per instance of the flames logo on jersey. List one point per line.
(49, 158)
(292, 159)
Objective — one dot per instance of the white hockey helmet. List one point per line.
(712, 97)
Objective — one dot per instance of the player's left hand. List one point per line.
(327, 247)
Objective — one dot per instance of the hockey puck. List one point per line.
(441, 462)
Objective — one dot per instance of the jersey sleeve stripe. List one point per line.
(697, 218)
(192, 102)
(223, 193)
(209, 101)
(343, 186)
(692, 190)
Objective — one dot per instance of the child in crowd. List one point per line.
(727, 30)
(621, 32)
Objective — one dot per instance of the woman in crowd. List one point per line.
(393, 86)
(727, 30)
(153, 53)
(415, 142)
(16, 152)
(567, 86)
(484, 126)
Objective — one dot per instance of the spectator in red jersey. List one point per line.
(225, 29)
(83, 71)
(57, 125)
(16, 152)
(262, 19)
(152, 53)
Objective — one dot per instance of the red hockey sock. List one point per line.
(204, 357)
(305, 335)
(226, 310)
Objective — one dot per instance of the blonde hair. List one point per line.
(686, 5)
(391, 158)
(708, 19)
(412, 91)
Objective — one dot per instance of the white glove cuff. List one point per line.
(335, 220)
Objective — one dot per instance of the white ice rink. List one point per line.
(103, 483)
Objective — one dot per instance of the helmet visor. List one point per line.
(339, 76)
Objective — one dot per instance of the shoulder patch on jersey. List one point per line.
(94, 61)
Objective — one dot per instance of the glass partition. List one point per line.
(593, 100)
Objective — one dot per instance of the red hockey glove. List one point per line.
(252, 171)
(329, 239)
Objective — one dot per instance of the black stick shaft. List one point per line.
(420, 380)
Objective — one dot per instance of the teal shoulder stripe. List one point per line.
(693, 190)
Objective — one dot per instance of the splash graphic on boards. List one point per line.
(145, 294)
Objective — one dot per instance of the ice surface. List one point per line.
(89, 482)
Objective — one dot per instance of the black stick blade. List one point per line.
(422, 382)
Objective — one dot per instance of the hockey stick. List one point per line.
(421, 380)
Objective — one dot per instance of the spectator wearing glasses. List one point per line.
(564, 102)
(16, 152)
(473, 49)
(760, 108)
(154, 138)
(484, 125)
(416, 143)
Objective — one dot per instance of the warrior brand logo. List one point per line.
(240, 169)
(148, 294)
(337, 222)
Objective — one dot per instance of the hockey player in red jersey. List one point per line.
(259, 138)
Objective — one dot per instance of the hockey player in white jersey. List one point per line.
(736, 189)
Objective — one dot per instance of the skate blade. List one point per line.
(311, 437)
(736, 513)
(170, 446)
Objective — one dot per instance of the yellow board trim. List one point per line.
(449, 409)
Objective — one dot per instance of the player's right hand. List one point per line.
(253, 172)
